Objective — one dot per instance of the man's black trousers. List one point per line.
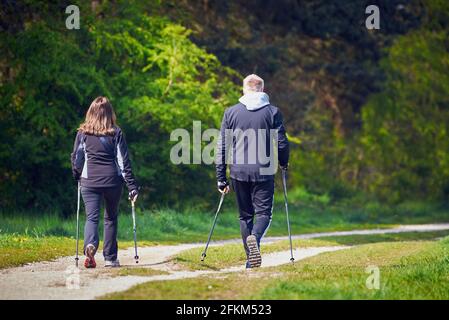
(255, 200)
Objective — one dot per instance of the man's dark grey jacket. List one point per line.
(245, 141)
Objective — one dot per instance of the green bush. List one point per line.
(155, 76)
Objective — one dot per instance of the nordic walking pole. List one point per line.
(203, 255)
(133, 210)
(77, 223)
(284, 183)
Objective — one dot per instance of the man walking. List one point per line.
(246, 143)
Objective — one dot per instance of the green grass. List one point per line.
(200, 288)
(170, 226)
(16, 250)
(220, 257)
(408, 270)
(136, 271)
(387, 237)
(49, 236)
(308, 213)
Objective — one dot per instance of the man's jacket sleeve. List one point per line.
(124, 162)
(77, 156)
(221, 154)
(283, 144)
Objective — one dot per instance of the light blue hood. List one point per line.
(255, 100)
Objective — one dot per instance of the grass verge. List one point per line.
(16, 250)
(220, 257)
(36, 237)
(137, 271)
(408, 270)
(168, 226)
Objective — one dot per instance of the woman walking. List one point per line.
(101, 163)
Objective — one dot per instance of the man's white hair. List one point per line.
(253, 83)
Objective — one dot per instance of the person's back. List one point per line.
(253, 125)
(101, 166)
(101, 154)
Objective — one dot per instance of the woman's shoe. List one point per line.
(90, 256)
(112, 264)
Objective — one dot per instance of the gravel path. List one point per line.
(59, 279)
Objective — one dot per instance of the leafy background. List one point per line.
(367, 109)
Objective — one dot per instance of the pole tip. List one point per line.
(292, 259)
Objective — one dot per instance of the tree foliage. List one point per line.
(369, 109)
(406, 126)
(156, 78)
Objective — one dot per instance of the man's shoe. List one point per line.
(112, 264)
(254, 258)
(90, 256)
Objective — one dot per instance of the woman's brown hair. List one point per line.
(100, 118)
